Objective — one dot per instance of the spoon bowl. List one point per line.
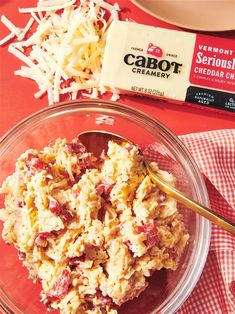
(96, 141)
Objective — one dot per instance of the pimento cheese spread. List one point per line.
(92, 230)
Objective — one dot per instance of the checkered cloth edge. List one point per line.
(214, 153)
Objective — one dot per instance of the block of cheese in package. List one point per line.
(168, 64)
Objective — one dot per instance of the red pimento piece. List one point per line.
(128, 244)
(66, 83)
(66, 216)
(34, 163)
(40, 239)
(101, 213)
(39, 164)
(47, 180)
(88, 162)
(151, 233)
(161, 196)
(129, 147)
(100, 189)
(21, 204)
(65, 174)
(75, 261)
(108, 188)
(21, 255)
(43, 234)
(104, 188)
(104, 300)
(30, 156)
(70, 182)
(55, 207)
(61, 287)
(58, 210)
(74, 147)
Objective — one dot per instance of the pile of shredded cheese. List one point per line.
(64, 54)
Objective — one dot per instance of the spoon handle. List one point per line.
(188, 202)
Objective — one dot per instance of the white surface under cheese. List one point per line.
(131, 38)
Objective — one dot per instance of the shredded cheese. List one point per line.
(6, 38)
(45, 7)
(64, 54)
(15, 30)
(37, 19)
(25, 30)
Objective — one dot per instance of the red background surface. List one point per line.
(16, 93)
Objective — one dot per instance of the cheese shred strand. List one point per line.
(64, 54)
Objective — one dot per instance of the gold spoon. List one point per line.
(95, 141)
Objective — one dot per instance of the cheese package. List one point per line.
(168, 64)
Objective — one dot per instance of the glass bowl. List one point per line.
(167, 289)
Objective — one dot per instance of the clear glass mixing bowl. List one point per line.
(167, 289)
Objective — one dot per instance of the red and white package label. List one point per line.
(173, 65)
(213, 63)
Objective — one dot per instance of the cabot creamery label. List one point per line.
(169, 64)
(213, 63)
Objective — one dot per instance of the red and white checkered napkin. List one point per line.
(214, 153)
